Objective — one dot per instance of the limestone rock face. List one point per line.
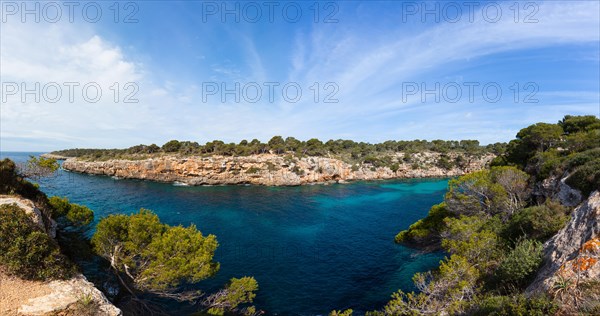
(268, 169)
(575, 250)
(556, 188)
(65, 293)
(30, 209)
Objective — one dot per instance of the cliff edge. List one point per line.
(275, 170)
(571, 268)
(66, 297)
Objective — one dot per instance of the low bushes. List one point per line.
(427, 229)
(28, 252)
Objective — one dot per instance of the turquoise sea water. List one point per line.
(311, 248)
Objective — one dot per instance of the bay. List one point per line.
(312, 248)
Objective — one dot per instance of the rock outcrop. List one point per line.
(66, 293)
(54, 156)
(272, 170)
(30, 209)
(54, 296)
(555, 187)
(574, 252)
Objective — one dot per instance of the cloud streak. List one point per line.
(369, 64)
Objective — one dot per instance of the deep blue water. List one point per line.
(312, 249)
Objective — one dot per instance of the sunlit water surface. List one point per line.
(311, 248)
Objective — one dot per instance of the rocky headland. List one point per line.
(278, 170)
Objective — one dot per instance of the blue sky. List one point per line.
(370, 58)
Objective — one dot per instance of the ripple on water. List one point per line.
(311, 248)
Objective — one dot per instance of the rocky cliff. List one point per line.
(276, 170)
(572, 256)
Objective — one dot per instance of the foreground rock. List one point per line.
(273, 170)
(574, 252)
(67, 297)
(76, 293)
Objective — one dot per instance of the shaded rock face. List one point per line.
(575, 250)
(268, 169)
(556, 188)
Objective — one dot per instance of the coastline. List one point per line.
(268, 169)
(53, 156)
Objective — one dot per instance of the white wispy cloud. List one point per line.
(62, 55)
(370, 70)
(368, 65)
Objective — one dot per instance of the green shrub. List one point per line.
(171, 146)
(581, 158)
(460, 161)
(500, 161)
(252, 170)
(271, 166)
(80, 215)
(11, 182)
(347, 312)
(547, 162)
(468, 237)
(586, 177)
(74, 214)
(576, 124)
(426, 229)
(517, 305)
(27, 251)
(444, 163)
(237, 293)
(521, 262)
(537, 222)
(60, 206)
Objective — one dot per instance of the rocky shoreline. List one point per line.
(54, 156)
(275, 170)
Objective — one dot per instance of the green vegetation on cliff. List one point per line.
(151, 257)
(26, 249)
(346, 150)
(572, 146)
(146, 255)
(492, 223)
(155, 256)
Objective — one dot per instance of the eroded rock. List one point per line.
(269, 169)
(575, 249)
(66, 293)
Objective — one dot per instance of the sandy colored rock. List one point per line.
(65, 293)
(15, 292)
(270, 169)
(22, 297)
